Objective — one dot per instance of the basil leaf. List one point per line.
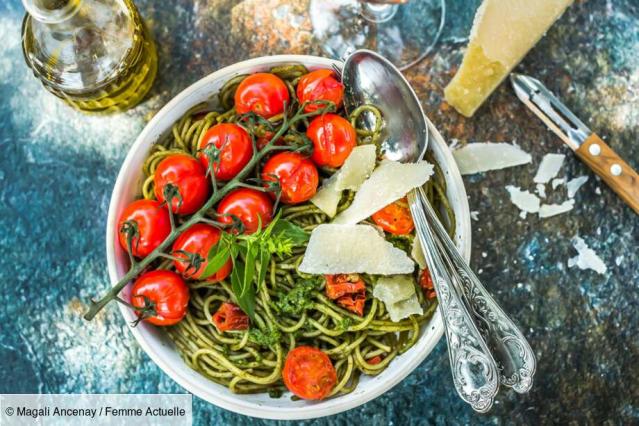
(245, 298)
(265, 260)
(285, 229)
(249, 269)
(214, 265)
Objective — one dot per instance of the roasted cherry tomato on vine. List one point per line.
(426, 283)
(266, 137)
(229, 317)
(193, 246)
(167, 294)
(395, 218)
(263, 93)
(348, 291)
(309, 373)
(333, 139)
(251, 206)
(235, 149)
(319, 85)
(189, 177)
(297, 175)
(148, 224)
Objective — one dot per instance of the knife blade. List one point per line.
(589, 147)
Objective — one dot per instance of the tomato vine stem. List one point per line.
(199, 216)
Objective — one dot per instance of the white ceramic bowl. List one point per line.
(157, 344)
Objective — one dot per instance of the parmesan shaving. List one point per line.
(389, 182)
(398, 295)
(481, 157)
(573, 185)
(541, 190)
(357, 168)
(548, 210)
(327, 197)
(524, 200)
(549, 167)
(586, 257)
(400, 310)
(417, 254)
(558, 181)
(345, 249)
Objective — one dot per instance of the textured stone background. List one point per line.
(57, 168)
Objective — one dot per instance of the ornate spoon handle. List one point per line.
(473, 368)
(515, 359)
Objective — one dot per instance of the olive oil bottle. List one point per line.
(97, 55)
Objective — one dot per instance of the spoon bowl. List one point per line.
(371, 79)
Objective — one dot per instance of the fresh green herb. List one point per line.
(264, 338)
(297, 300)
(251, 255)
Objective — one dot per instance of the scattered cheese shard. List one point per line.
(524, 200)
(586, 258)
(327, 197)
(398, 294)
(417, 254)
(345, 249)
(474, 215)
(549, 167)
(483, 156)
(541, 190)
(389, 182)
(558, 181)
(573, 185)
(548, 210)
(503, 32)
(356, 169)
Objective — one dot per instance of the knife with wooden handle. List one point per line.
(589, 147)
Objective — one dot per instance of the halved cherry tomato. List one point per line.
(229, 317)
(198, 240)
(375, 360)
(166, 291)
(151, 225)
(348, 291)
(426, 283)
(319, 85)
(252, 207)
(236, 149)
(395, 218)
(189, 176)
(297, 175)
(309, 373)
(263, 93)
(333, 139)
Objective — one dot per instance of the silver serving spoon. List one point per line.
(473, 321)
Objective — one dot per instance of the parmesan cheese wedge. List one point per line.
(346, 249)
(389, 182)
(356, 169)
(503, 32)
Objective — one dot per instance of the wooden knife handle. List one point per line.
(619, 176)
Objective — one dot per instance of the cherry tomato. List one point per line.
(375, 360)
(309, 373)
(151, 219)
(426, 283)
(263, 93)
(395, 218)
(263, 140)
(297, 175)
(348, 291)
(236, 149)
(252, 207)
(333, 139)
(319, 85)
(198, 239)
(229, 317)
(168, 293)
(189, 176)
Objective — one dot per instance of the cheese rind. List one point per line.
(503, 32)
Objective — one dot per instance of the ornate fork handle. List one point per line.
(474, 370)
(514, 356)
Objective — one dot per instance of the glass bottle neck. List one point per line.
(52, 11)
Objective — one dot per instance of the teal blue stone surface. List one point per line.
(58, 166)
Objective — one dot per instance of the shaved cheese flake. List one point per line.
(389, 182)
(549, 167)
(345, 249)
(483, 156)
(573, 185)
(327, 197)
(417, 254)
(541, 190)
(558, 181)
(357, 168)
(548, 210)
(586, 258)
(398, 294)
(524, 200)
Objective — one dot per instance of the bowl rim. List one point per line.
(236, 403)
